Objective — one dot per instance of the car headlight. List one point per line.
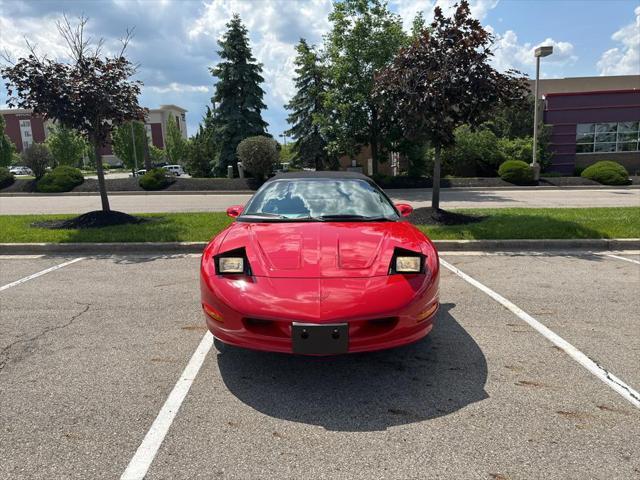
(231, 265)
(232, 262)
(406, 261)
(408, 264)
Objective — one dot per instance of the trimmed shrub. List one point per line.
(61, 179)
(607, 173)
(6, 177)
(155, 179)
(258, 155)
(516, 172)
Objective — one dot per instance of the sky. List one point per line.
(175, 41)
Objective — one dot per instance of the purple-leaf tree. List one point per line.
(444, 80)
(91, 93)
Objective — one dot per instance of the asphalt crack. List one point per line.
(5, 352)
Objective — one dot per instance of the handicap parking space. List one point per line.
(91, 351)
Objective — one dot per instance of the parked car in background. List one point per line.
(174, 170)
(139, 173)
(21, 170)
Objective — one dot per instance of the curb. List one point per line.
(162, 248)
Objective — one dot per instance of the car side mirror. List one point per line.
(404, 208)
(234, 211)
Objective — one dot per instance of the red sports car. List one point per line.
(319, 263)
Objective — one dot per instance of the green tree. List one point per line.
(365, 37)
(237, 102)
(122, 142)
(309, 147)
(38, 157)
(90, 93)
(201, 149)
(6, 146)
(475, 153)
(444, 80)
(67, 146)
(175, 144)
(513, 121)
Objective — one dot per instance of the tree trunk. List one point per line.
(435, 196)
(102, 186)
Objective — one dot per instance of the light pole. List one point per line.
(135, 153)
(539, 53)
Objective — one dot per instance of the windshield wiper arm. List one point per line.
(348, 216)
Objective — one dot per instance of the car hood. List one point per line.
(322, 249)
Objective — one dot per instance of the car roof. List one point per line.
(325, 174)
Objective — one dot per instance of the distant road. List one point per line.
(490, 198)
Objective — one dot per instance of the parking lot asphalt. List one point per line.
(90, 352)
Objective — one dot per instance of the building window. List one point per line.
(608, 137)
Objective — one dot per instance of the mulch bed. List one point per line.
(95, 219)
(430, 216)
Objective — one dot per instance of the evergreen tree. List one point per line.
(201, 150)
(237, 102)
(309, 147)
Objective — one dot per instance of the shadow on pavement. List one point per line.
(363, 392)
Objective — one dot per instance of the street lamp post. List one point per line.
(135, 153)
(540, 52)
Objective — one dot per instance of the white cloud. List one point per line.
(408, 9)
(510, 53)
(41, 33)
(623, 60)
(177, 88)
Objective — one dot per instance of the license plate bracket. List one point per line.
(320, 339)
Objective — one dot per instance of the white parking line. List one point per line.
(611, 380)
(141, 461)
(623, 258)
(39, 274)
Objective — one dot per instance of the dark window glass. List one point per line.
(627, 137)
(628, 126)
(605, 147)
(628, 147)
(605, 137)
(606, 127)
(584, 148)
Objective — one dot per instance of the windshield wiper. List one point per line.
(264, 215)
(349, 216)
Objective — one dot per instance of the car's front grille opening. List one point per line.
(269, 328)
(377, 326)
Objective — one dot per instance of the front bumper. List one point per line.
(381, 312)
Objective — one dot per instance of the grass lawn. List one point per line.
(506, 223)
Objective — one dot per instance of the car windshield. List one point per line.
(319, 200)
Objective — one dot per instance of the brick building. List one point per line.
(24, 128)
